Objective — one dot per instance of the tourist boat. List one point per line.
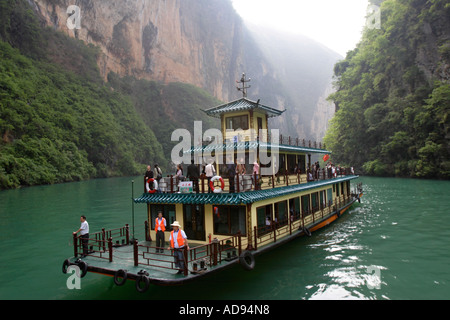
(286, 198)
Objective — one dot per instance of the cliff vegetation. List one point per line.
(393, 94)
(60, 122)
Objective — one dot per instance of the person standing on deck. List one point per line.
(178, 242)
(84, 235)
(193, 173)
(210, 172)
(160, 227)
(148, 175)
(158, 173)
(255, 175)
(231, 175)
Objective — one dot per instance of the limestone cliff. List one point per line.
(188, 41)
(200, 42)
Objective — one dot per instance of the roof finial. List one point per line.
(244, 88)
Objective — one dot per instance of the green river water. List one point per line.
(394, 245)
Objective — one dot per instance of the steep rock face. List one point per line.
(164, 40)
(204, 43)
(435, 47)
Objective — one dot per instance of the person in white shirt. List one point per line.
(210, 172)
(84, 235)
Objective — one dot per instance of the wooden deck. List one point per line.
(160, 267)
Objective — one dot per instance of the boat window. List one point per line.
(168, 212)
(315, 201)
(322, 202)
(282, 168)
(194, 221)
(302, 163)
(306, 205)
(264, 215)
(292, 163)
(228, 220)
(281, 217)
(261, 216)
(294, 208)
(237, 122)
(330, 196)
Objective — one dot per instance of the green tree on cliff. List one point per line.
(393, 94)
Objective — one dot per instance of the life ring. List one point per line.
(146, 283)
(66, 265)
(120, 274)
(83, 268)
(307, 232)
(155, 185)
(222, 184)
(247, 260)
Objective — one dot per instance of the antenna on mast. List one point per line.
(243, 82)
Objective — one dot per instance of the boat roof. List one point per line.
(242, 104)
(253, 145)
(241, 198)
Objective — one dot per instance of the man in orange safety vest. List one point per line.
(178, 241)
(160, 227)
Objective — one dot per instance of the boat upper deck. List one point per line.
(237, 198)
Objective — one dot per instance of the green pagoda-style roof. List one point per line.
(241, 198)
(242, 104)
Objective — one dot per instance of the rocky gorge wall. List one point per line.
(201, 42)
(163, 40)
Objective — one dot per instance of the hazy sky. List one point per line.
(335, 23)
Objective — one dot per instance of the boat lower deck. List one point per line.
(160, 266)
(141, 261)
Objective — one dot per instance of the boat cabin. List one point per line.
(264, 181)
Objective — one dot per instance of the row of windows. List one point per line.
(228, 220)
(278, 212)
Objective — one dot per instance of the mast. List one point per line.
(243, 87)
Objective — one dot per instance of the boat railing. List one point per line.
(196, 258)
(298, 142)
(273, 231)
(145, 255)
(100, 244)
(252, 182)
(276, 229)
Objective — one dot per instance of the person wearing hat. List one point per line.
(178, 241)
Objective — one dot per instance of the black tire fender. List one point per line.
(307, 232)
(83, 268)
(65, 265)
(247, 260)
(146, 281)
(120, 274)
